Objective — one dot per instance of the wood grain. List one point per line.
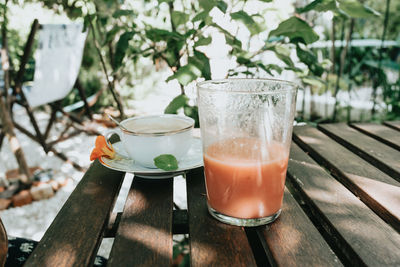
(380, 132)
(112, 225)
(378, 154)
(3, 244)
(375, 188)
(144, 235)
(213, 243)
(76, 232)
(360, 236)
(292, 240)
(394, 124)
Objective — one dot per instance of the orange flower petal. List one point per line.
(96, 153)
(102, 149)
(100, 141)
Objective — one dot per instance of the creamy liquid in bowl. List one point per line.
(156, 125)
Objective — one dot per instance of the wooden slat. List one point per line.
(354, 230)
(75, 234)
(3, 243)
(381, 133)
(144, 235)
(213, 243)
(378, 154)
(393, 124)
(292, 240)
(378, 190)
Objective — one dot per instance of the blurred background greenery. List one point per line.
(344, 54)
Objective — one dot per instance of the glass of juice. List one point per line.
(246, 127)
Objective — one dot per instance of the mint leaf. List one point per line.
(166, 162)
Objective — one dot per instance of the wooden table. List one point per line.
(341, 207)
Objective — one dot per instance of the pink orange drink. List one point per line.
(242, 182)
(246, 129)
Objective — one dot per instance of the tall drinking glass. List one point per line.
(246, 127)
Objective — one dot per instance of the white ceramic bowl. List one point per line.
(151, 136)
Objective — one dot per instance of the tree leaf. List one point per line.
(122, 12)
(243, 61)
(385, 63)
(248, 21)
(311, 60)
(189, 33)
(202, 16)
(356, 9)
(192, 112)
(294, 69)
(282, 53)
(120, 50)
(207, 5)
(270, 67)
(86, 21)
(266, 1)
(318, 5)
(229, 38)
(73, 13)
(179, 17)
(111, 34)
(222, 6)
(203, 41)
(262, 66)
(176, 103)
(157, 35)
(170, 57)
(202, 62)
(186, 74)
(166, 162)
(297, 30)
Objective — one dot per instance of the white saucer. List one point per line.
(193, 159)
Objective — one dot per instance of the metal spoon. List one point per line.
(117, 122)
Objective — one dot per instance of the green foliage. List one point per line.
(350, 8)
(201, 61)
(179, 18)
(122, 12)
(181, 102)
(318, 5)
(247, 20)
(122, 46)
(126, 35)
(181, 253)
(355, 9)
(177, 103)
(297, 30)
(222, 6)
(203, 41)
(186, 74)
(311, 60)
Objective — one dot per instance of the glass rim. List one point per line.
(293, 86)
